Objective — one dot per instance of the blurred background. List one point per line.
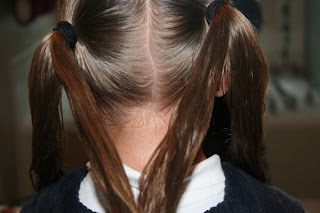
(289, 34)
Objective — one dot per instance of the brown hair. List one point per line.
(133, 52)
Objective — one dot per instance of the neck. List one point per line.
(139, 135)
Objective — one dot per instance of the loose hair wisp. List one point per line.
(131, 52)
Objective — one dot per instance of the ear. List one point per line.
(222, 87)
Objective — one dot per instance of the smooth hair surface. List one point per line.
(135, 53)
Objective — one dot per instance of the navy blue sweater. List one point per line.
(243, 194)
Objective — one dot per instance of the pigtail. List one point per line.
(247, 75)
(46, 113)
(230, 53)
(54, 66)
(237, 59)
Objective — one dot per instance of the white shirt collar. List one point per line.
(205, 187)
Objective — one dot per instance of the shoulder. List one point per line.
(62, 196)
(247, 194)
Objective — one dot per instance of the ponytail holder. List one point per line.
(213, 8)
(68, 31)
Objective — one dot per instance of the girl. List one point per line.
(141, 77)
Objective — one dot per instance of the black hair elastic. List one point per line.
(68, 31)
(213, 8)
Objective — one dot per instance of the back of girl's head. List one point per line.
(138, 53)
(126, 49)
